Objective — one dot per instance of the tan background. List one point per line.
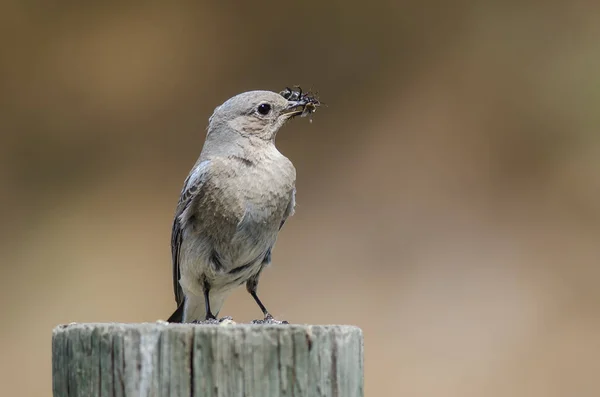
(447, 197)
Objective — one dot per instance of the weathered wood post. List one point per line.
(176, 360)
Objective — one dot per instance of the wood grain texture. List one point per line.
(160, 359)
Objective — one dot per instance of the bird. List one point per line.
(234, 201)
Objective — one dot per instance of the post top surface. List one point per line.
(162, 325)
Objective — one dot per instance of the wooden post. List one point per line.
(176, 360)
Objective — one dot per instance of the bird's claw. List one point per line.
(269, 320)
(214, 321)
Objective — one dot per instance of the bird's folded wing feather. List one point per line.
(289, 211)
(191, 188)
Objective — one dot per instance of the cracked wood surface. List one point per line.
(160, 359)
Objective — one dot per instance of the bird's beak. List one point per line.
(294, 108)
(300, 108)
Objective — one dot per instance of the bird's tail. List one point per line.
(177, 316)
(193, 308)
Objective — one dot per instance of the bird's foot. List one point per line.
(269, 320)
(214, 321)
(208, 321)
(226, 320)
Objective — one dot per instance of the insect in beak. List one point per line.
(300, 103)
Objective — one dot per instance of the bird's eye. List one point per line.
(264, 108)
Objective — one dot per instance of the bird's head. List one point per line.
(257, 114)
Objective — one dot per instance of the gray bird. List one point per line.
(233, 203)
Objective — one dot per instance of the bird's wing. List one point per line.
(289, 211)
(192, 188)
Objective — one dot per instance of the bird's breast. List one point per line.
(244, 207)
(266, 192)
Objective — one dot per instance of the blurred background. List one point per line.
(447, 197)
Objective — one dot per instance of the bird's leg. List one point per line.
(209, 315)
(260, 304)
(251, 286)
(210, 318)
